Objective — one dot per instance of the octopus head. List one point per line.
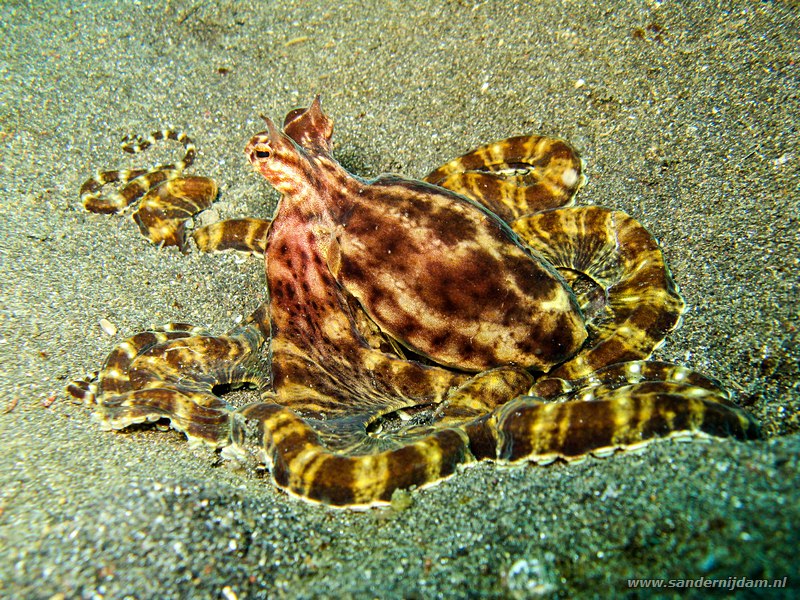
(279, 159)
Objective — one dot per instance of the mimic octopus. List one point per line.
(411, 326)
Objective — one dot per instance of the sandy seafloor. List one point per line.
(687, 116)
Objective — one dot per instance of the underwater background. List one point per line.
(686, 114)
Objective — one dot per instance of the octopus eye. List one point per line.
(263, 153)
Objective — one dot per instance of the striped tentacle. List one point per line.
(244, 235)
(165, 209)
(168, 198)
(171, 373)
(138, 181)
(114, 377)
(515, 177)
(306, 468)
(638, 303)
(623, 407)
